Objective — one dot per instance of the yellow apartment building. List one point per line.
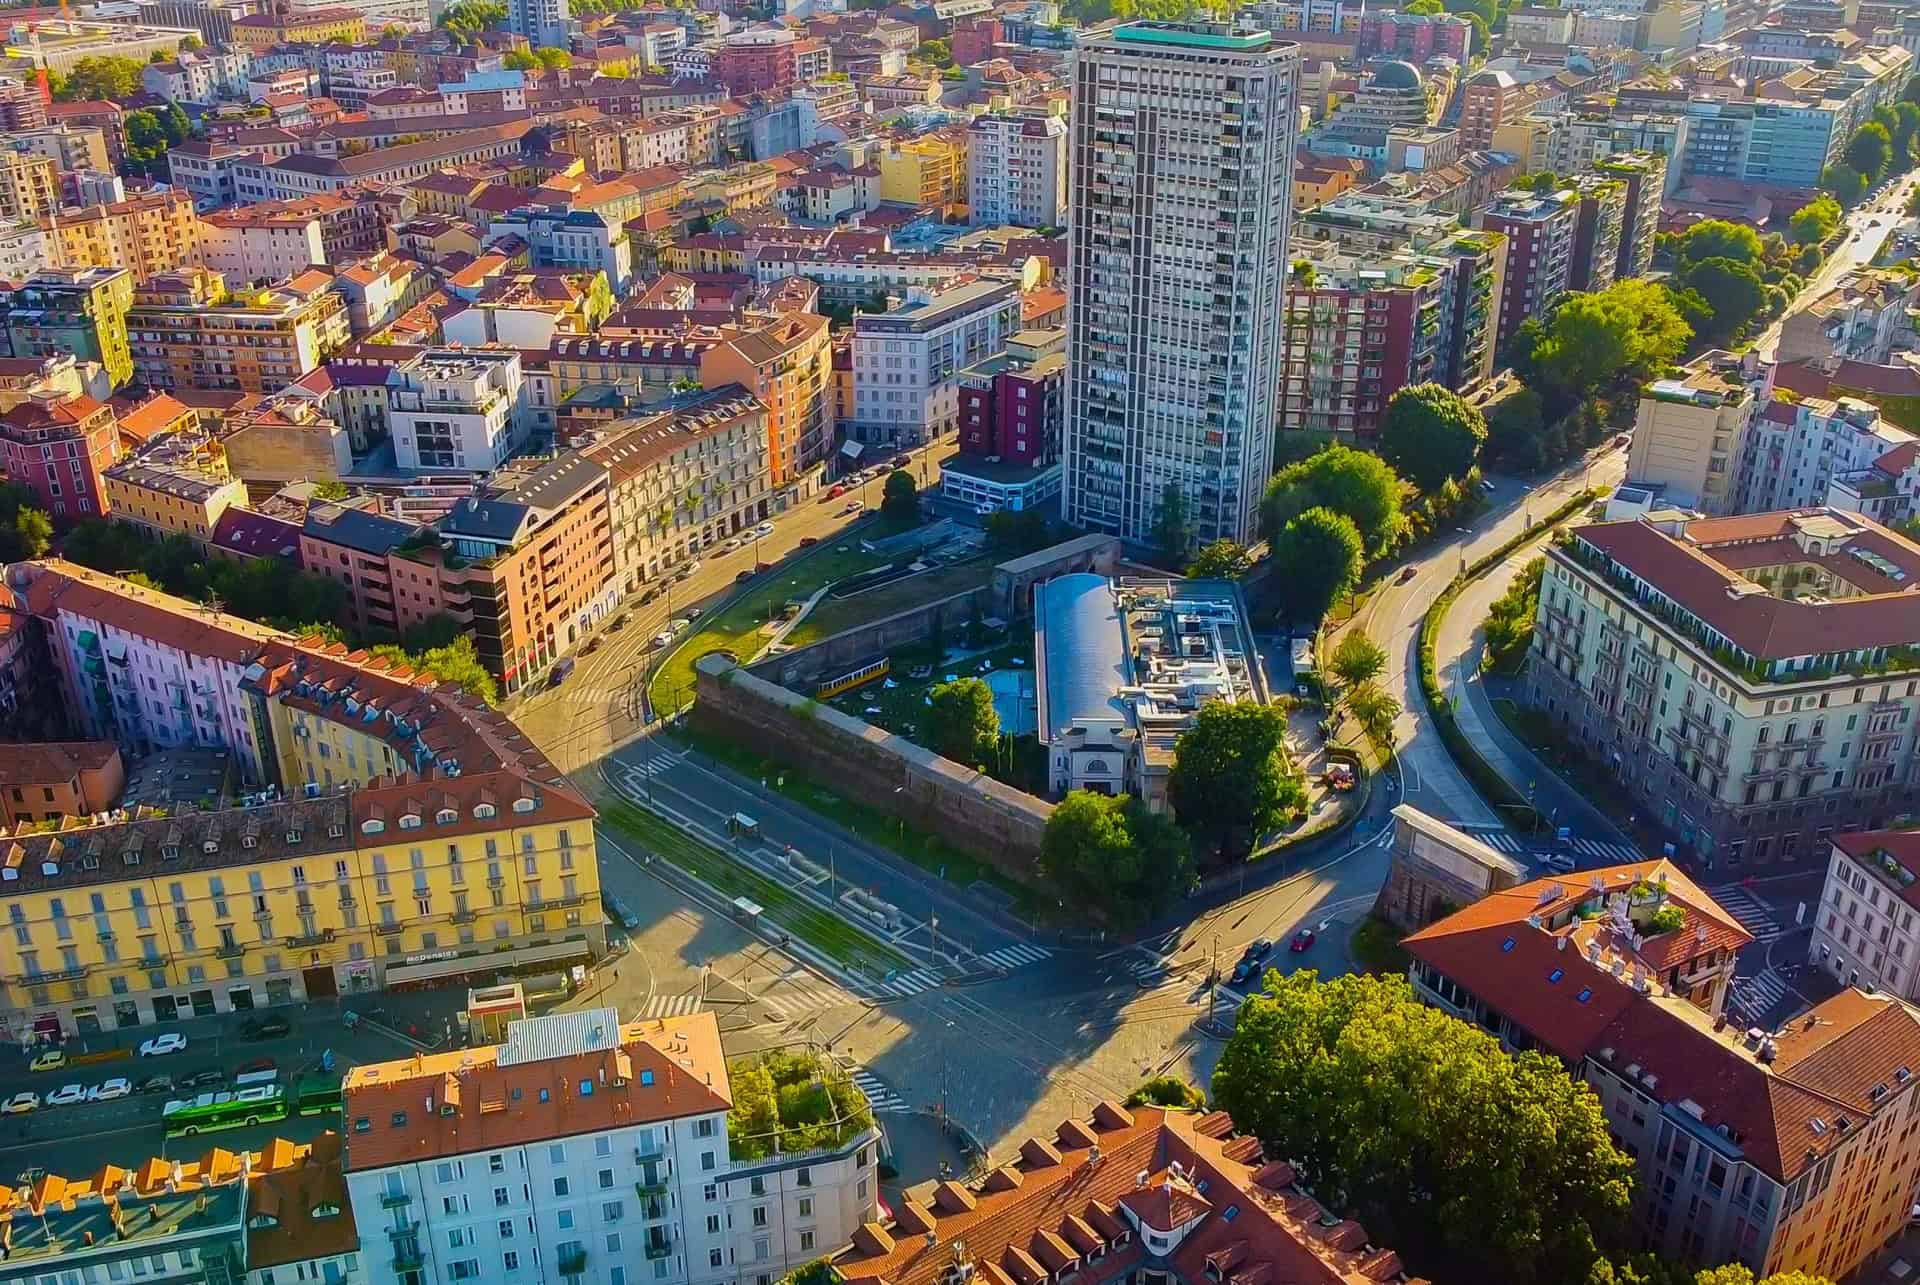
(147, 235)
(29, 186)
(926, 172)
(166, 493)
(262, 31)
(188, 331)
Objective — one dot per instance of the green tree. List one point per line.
(1012, 533)
(961, 722)
(1316, 558)
(1732, 291)
(1113, 853)
(32, 532)
(25, 529)
(1375, 711)
(466, 19)
(1594, 339)
(1232, 780)
(1869, 150)
(1717, 239)
(1474, 1164)
(1430, 434)
(1168, 1091)
(1172, 532)
(436, 630)
(937, 52)
(101, 76)
(1817, 219)
(900, 499)
(1741, 1274)
(1358, 484)
(459, 663)
(1221, 560)
(1847, 184)
(1516, 432)
(818, 1272)
(1356, 659)
(1508, 628)
(1906, 131)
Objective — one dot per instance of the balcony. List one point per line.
(230, 950)
(59, 975)
(463, 916)
(320, 938)
(408, 1259)
(657, 1249)
(395, 1199)
(389, 930)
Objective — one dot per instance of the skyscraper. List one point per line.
(1180, 193)
(542, 22)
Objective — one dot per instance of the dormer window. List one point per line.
(170, 852)
(409, 820)
(445, 816)
(483, 811)
(210, 846)
(336, 831)
(293, 836)
(249, 841)
(372, 825)
(523, 804)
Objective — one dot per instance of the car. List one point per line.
(66, 1095)
(266, 1028)
(559, 673)
(732, 544)
(808, 541)
(1486, 486)
(619, 623)
(663, 638)
(161, 1045)
(764, 529)
(680, 624)
(154, 1084)
(203, 1079)
(744, 574)
(51, 1060)
(854, 506)
(687, 571)
(1407, 573)
(1257, 949)
(107, 1090)
(1301, 941)
(620, 912)
(20, 1103)
(1557, 863)
(1243, 972)
(259, 1066)
(593, 645)
(648, 596)
(1620, 442)
(902, 461)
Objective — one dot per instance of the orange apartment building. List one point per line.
(148, 235)
(55, 779)
(187, 330)
(1795, 1149)
(788, 365)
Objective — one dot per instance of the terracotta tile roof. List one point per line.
(1873, 849)
(1561, 977)
(297, 1204)
(1056, 1208)
(155, 415)
(51, 761)
(1687, 570)
(492, 1097)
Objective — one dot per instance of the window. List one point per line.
(564, 1220)
(496, 1163)
(606, 1180)
(603, 1146)
(510, 1261)
(713, 1258)
(560, 1186)
(612, 1211)
(703, 1128)
(506, 1228)
(613, 1242)
(556, 1154)
(806, 1206)
(713, 1224)
(806, 1240)
(706, 1162)
(711, 1192)
(499, 1197)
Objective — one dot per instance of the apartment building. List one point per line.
(591, 1148)
(248, 243)
(1414, 38)
(1690, 433)
(364, 550)
(683, 479)
(928, 172)
(1746, 677)
(73, 312)
(1862, 317)
(249, 902)
(29, 186)
(1012, 407)
(263, 31)
(1644, 176)
(905, 360)
(1795, 450)
(187, 330)
(1599, 227)
(1211, 357)
(1541, 230)
(177, 484)
(1785, 1150)
(764, 59)
(58, 444)
(572, 240)
(456, 410)
(1358, 330)
(1864, 928)
(1017, 171)
(1584, 139)
(53, 780)
(149, 235)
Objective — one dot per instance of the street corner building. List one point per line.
(387, 829)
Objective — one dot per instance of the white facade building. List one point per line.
(907, 362)
(455, 410)
(1017, 171)
(1794, 451)
(1866, 931)
(1178, 230)
(587, 1151)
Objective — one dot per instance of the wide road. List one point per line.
(598, 707)
(1870, 224)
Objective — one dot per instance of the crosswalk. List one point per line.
(1501, 841)
(879, 1096)
(1760, 994)
(636, 773)
(905, 984)
(1012, 957)
(1149, 972)
(672, 1005)
(1606, 851)
(1753, 913)
(792, 998)
(1599, 850)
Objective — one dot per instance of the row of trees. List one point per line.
(1473, 1164)
(1509, 624)
(1883, 144)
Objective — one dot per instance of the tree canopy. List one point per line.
(535, 60)
(25, 529)
(1592, 340)
(1847, 184)
(1356, 659)
(1732, 292)
(900, 499)
(1316, 557)
(1221, 560)
(1870, 150)
(1232, 780)
(1473, 1164)
(1819, 218)
(457, 662)
(1431, 434)
(1172, 532)
(149, 134)
(466, 19)
(268, 590)
(1113, 853)
(1356, 483)
(961, 722)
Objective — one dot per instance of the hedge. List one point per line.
(1490, 784)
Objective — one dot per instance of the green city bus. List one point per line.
(316, 1094)
(227, 1109)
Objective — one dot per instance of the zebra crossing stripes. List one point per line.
(1012, 957)
(920, 979)
(1502, 841)
(790, 999)
(879, 1096)
(1753, 913)
(1760, 994)
(1150, 972)
(672, 1005)
(1606, 851)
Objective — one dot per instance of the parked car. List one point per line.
(663, 638)
(1301, 941)
(1486, 486)
(649, 595)
(266, 1028)
(693, 613)
(161, 1045)
(1558, 863)
(902, 461)
(559, 673)
(619, 623)
(620, 912)
(764, 529)
(51, 1060)
(854, 506)
(107, 1090)
(66, 1095)
(744, 574)
(593, 645)
(1257, 949)
(1245, 971)
(1408, 573)
(20, 1103)
(808, 541)
(154, 1084)
(203, 1079)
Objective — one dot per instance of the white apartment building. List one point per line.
(1795, 449)
(907, 361)
(455, 409)
(1017, 171)
(1180, 188)
(248, 243)
(1690, 433)
(1750, 680)
(587, 1151)
(1866, 931)
(542, 22)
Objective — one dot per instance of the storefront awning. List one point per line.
(433, 969)
(852, 449)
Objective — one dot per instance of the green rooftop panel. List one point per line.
(1155, 33)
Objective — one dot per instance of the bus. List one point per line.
(227, 1109)
(316, 1094)
(853, 678)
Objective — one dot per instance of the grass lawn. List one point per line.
(737, 627)
(1375, 946)
(836, 615)
(870, 823)
(825, 931)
